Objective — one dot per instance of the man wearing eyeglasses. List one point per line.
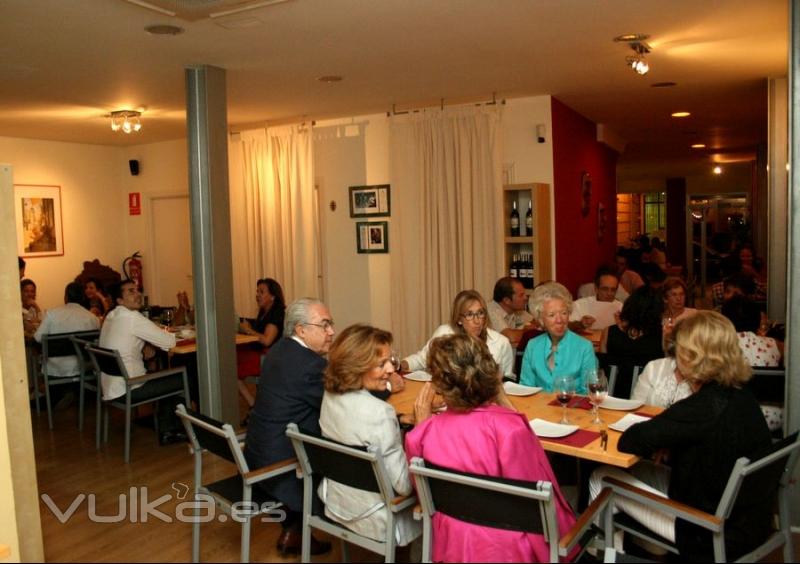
(290, 391)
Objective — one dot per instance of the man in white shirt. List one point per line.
(599, 311)
(70, 317)
(126, 330)
(507, 314)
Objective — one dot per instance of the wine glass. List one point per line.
(167, 317)
(564, 387)
(597, 383)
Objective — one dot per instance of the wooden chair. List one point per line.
(109, 361)
(357, 467)
(766, 477)
(59, 345)
(500, 503)
(235, 494)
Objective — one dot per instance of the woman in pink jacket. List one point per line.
(480, 432)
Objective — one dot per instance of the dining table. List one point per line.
(187, 346)
(585, 443)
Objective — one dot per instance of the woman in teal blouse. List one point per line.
(559, 351)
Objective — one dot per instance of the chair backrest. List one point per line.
(60, 344)
(216, 437)
(635, 378)
(754, 482)
(612, 378)
(355, 466)
(488, 501)
(107, 361)
(768, 384)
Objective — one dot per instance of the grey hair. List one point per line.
(297, 314)
(549, 291)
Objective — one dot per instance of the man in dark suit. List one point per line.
(290, 391)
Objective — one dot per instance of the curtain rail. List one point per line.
(493, 102)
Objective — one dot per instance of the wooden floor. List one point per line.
(69, 465)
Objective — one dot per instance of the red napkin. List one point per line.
(577, 402)
(579, 438)
(184, 342)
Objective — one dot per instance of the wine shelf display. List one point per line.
(527, 241)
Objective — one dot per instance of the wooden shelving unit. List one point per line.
(536, 243)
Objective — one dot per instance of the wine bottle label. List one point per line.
(514, 223)
(512, 272)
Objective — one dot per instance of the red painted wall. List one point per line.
(575, 150)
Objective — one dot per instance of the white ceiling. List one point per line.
(64, 65)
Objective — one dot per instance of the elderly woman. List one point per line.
(704, 435)
(559, 351)
(675, 309)
(636, 339)
(360, 362)
(469, 317)
(480, 432)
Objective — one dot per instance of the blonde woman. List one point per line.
(703, 436)
(360, 362)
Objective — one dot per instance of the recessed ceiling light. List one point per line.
(627, 37)
(663, 84)
(699, 146)
(717, 170)
(680, 114)
(163, 29)
(329, 79)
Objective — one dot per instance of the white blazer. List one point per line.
(498, 344)
(358, 418)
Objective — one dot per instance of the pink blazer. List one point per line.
(495, 441)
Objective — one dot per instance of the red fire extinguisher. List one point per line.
(132, 267)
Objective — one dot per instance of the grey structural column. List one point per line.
(207, 142)
(792, 361)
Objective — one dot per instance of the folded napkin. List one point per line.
(577, 402)
(579, 438)
(643, 414)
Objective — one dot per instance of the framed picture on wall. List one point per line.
(372, 236)
(38, 219)
(370, 201)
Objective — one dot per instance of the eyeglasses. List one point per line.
(325, 325)
(472, 315)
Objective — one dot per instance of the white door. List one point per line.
(171, 250)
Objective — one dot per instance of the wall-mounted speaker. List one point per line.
(134, 165)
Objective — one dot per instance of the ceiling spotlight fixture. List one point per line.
(699, 146)
(637, 61)
(126, 121)
(680, 114)
(717, 170)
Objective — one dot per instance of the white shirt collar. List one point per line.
(299, 340)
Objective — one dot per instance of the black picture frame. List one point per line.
(370, 201)
(372, 237)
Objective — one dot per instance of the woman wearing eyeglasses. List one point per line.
(469, 317)
(559, 351)
(360, 363)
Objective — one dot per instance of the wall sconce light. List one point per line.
(637, 61)
(126, 121)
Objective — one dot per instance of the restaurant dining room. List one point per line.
(399, 280)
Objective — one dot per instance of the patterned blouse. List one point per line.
(758, 350)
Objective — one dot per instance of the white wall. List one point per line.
(92, 212)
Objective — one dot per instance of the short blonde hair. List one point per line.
(707, 350)
(549, 291)
(463, 371)
(353, 354)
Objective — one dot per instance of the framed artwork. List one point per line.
(370, 201)
(586, 194)
(372, 236)
(38, 217)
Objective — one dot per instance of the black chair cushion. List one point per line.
(340, 467)
(483, 507)
(232, 488)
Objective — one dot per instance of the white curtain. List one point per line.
(274, 221)
(447, 189)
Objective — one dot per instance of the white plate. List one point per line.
(620, 404)
(418, 376)
(550, 430)
(627, 422)
(514, 389)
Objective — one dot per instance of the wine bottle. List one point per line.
(529, 220)
(146, 308)
(514, 220)
(513, 270)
